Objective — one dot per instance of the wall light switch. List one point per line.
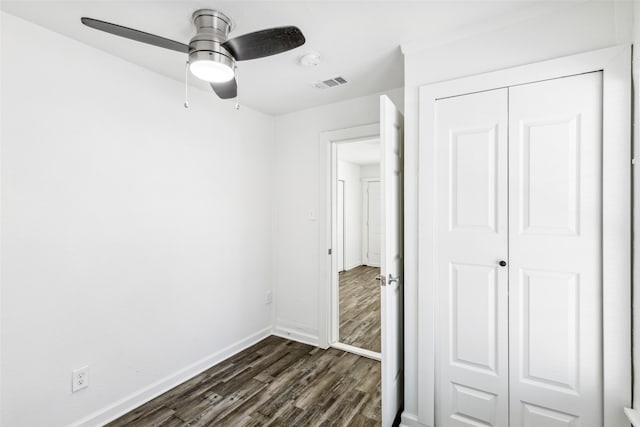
(268, 297)
(79, 379)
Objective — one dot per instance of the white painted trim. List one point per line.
(334, 310)
(144, 395)
(615, 64)
(410, 420)
(326, 217)
(365, 220)
(2, 399)
(343, 251)
(296, 331)
(292, 334)
(617, 217)
(357, 350)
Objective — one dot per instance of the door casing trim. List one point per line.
(327, 263)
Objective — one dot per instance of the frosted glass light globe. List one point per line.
(211, 71)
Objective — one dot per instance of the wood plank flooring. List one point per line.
(276, 382)
(360, 308)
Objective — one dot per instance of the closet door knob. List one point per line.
(502, 263)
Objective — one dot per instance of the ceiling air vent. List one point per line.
(336, 81)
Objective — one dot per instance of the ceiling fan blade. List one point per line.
(226, 90)
(136, 35)
(264, 43)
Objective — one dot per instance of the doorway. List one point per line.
(357, 226)
(390, 133)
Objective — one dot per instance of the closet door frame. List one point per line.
(615, 65)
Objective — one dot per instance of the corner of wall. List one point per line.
(273, 212)
(296, 332)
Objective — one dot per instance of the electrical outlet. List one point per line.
(268, 297)
(79, 379)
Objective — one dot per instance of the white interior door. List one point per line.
(374, 229)
(555, 244)
(340, 225)
(391, 201)
(472, 374)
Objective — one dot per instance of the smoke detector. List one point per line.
(310, 59)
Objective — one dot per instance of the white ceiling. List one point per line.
(359, 40)
(361, 152)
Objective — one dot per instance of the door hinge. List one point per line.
(329, 251)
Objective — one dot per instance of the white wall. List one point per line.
(636, 121)
(350, 174)
(135, 233)
(370, 171)
(297, 241)
(577, 28)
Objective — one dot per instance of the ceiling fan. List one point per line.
(212, 55)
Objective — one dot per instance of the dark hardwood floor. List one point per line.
(360, 308)
(276, 382)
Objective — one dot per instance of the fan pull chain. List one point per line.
(237, 91)
(186, 85)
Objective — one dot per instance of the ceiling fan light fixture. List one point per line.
(211, 71)
(212, 55)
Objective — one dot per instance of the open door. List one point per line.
(391, 266)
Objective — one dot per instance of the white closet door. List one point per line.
(472, 300)
(555, 252)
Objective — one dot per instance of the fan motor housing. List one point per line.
(212, 29)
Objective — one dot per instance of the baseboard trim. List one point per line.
(357, 350)
(410, 420)
(142, 396)
(294, 335)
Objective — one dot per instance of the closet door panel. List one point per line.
(555, 175)
(472, 322)
(549, 175)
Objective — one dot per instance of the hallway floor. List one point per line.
(360, 308)
(276, 382)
